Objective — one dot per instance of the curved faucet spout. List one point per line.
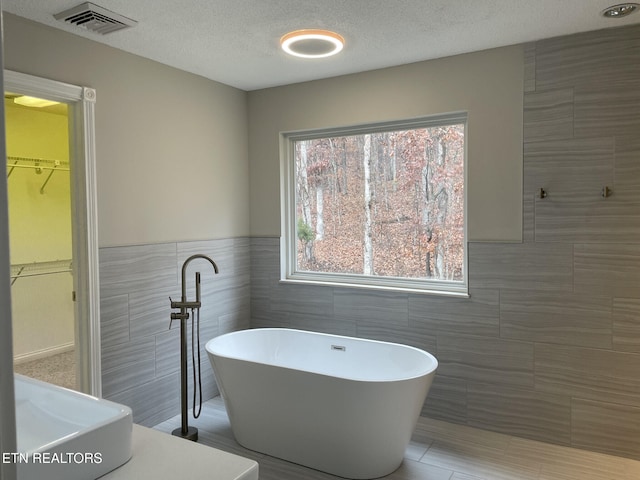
(193, 257)
(184, 274)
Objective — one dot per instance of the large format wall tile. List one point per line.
(548, 115)
(569, 168)
(265, 283)
(323, 324)
(447, 399)
(605, 111)
(265, 260)
(561, 318)
(626, 324)
(265, 318)
(485, 359)
(573, 173)
(297, 299)
(606, 57)
(372, 306)
(140, 267)
(515, 411)
(167, 352)
(588, 220)
(149, 311)
(602, 70)
(157, 401)
(418, 337)
(127, 365)
(521, 266)
(476, 315)
(223, 295)
(588, 373)
(230, 322)
(530, 67)
(607, 269)
(528, 219)
(606, 427)
(627, 163)
(140, 355)
(114, 319)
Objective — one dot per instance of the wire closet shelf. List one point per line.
(37, 164)
(34, 269)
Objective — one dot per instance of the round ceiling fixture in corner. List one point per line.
(619, 11)
(312, 43)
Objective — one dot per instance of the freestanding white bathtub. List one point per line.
(67, 435)
(343, 405)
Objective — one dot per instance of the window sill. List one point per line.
(460, 292)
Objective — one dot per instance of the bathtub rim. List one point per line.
(432, 359)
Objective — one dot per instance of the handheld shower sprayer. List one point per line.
(190, 433)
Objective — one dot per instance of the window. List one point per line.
(378, 205)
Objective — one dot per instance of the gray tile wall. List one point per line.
(140, 354)
(548, 345)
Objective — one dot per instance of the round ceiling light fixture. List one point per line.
(619, 11)
(312, 43)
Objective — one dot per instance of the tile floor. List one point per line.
(438, 451)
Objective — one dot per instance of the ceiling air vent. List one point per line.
(95, 18)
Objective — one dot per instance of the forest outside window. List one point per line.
(379, 206)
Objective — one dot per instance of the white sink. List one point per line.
(66, 435)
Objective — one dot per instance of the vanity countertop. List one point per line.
(158, 455)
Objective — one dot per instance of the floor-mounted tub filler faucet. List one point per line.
(185, 431)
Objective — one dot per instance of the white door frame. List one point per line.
(85, 218)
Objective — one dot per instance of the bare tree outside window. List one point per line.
(382, 203)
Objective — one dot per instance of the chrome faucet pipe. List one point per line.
(190, 433)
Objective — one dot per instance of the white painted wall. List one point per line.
(171, 147)
(488, 85)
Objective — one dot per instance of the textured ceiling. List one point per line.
(236, 41)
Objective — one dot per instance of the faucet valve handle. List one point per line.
(171, 317)
(183, 315)
(178, 316)
(174, 304)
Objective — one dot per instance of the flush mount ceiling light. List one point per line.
(27, 101)
(619, 11)
(312, 43)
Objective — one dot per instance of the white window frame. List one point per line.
(288, 249)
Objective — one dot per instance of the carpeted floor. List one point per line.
(59, 369)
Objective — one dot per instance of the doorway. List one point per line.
(37, 136)
(53, 230)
